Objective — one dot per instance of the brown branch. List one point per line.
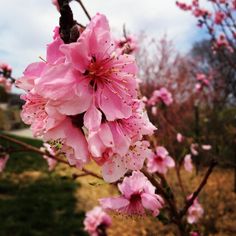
(178, 174)
(29, 147)
(32, 148)
(198, 190)
(159, 188)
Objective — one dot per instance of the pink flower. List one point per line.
(138, 195)
(183, 6)
(40, 113)
(51, 162)
(127, 45)
(3, 161)
(97, 221)
(222, 42)
(206, 147)
(194, 212)
(67, 139)
(193, 148)
(162, 95)
(119, 135)
(219, 17)
(188, 165)
(160, 161)
(116, 166)
(179, 137)
(203, 78)
(107, 78)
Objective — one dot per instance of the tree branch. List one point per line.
(31, 148)
(198, 190)
(84, 9)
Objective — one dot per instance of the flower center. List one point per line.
(135, 198)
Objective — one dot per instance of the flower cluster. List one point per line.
(5, 74)
(96, 222)
(202, 81)
(127, 45)
(218, 21)
(83, 101)
(161, 95)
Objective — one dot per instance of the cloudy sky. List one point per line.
(26, 26)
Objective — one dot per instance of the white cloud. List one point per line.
(26, 26)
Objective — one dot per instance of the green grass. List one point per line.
(38, 207)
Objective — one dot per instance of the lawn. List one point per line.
(36, 202)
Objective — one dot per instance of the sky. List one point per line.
(26, 26)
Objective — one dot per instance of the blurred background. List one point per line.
(172, 52)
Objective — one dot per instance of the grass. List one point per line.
(36, 205)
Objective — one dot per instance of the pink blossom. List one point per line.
(127, 45)
(67, 139)
(6, 84)
(51, 162)
(206, 147)
(56, 4)
(179, 137)
(154, 110)
(222, 42)
(194, 234)
(116, 166)
(106, 78)
(161, 95)
(40, 113)
(96, 221)
(160, 161)
(3, 161)
(194, 212)
(193, 148)
(200, 12)
(203, 79)
(117, 136)
(198, 87)
(137, 195)
(219, 17)
(188, 165)
(183, 6)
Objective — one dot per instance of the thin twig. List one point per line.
(198, 190)
(29, 147)
(162, 192)
(178, 174)
(84, 9)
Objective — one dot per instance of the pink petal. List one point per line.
(112, 105)
(113, 169)
(114, 203)
(92, 118)
(151, 203)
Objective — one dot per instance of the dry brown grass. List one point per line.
(217, 199)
